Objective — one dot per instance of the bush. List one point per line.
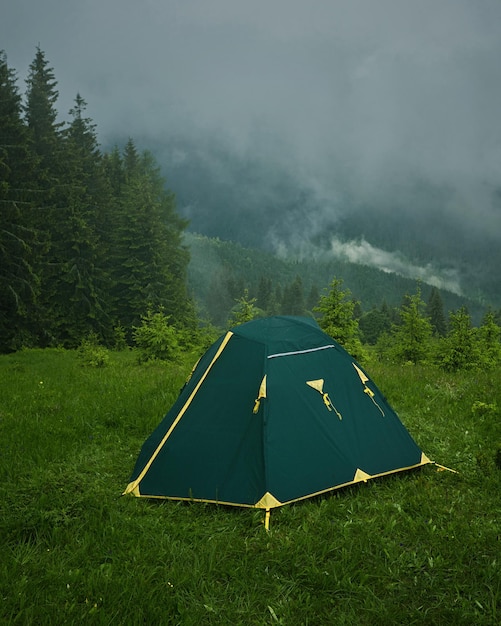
(91, 353)
(156, 338)
(119, 338)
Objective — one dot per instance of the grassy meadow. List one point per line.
(420, 547)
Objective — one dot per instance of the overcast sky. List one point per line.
(381, 89)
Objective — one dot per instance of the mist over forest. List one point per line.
(409, 228)
(351, 129)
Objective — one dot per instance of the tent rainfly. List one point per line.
(274, 412)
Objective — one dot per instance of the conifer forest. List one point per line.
(93, 248)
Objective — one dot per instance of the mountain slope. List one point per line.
(419, 227)
(221, 270)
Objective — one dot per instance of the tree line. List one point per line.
(91, 246)
(414, 333)
(89, 240)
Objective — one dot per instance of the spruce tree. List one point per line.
(79, 287)
(435, 312)
(489, 340)
(44, 132)
(459, 350)
(293, 302)
(264, 293)
(374, 323)
(148, 262)
(19, 246)
(41, 117)
(244, 311)
(335, 310)
(412, 337)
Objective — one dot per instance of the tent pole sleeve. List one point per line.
(136, 482)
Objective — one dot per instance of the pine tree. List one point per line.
(459, 350)
(244, 311)
(41, 117)
(46, 143)
(19, 246)
(78, 288)
(335, 309)
(293, 298)
(374, 323)
(148, 261)
(489, 340)
(264, 293)
(114, 172)
(435, 311)
(412, 337)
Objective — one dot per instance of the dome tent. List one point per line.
(274, 412)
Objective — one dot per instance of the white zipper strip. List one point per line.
(273, 356)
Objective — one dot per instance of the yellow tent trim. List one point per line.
(423, 461)
(360, 476)
(261, 394)
(268, 501)
(316, 384)
(367, 390)
(191, 499)
(363, 377)
(131, 487)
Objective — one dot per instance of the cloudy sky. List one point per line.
(377, 89)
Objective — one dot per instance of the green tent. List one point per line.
(274, 412)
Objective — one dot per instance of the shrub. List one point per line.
(156, 338)
(119, 338)
(91, 354)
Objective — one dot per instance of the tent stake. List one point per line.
(267, 519)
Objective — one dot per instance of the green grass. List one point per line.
(420, 547)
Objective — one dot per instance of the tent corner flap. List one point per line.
(268, 501)
(361, 476)
(133, 489)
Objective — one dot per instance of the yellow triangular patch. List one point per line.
(360, 476)
(261, 394)
(425, 459)
(316, 384)
(268, 502)
(132, 488)
(363, 377)
(262, 388)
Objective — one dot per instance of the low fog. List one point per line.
(368, 109)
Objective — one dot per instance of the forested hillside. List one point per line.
(220, 271)
(271, 205)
